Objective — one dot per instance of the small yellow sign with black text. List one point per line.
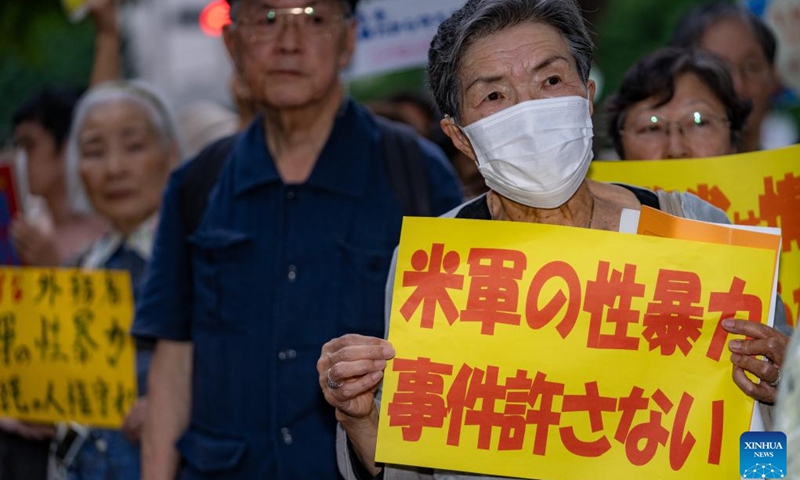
(65, 350)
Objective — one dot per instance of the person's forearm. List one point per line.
(363, 436)
(107, 65)
(169, 405)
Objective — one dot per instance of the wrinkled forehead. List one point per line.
(127, 108)
(119, 108)
(689, 91)
(522, 45)
(125, 118)
(731, 37)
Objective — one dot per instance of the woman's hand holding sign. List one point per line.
(350, 370)
(762, 340)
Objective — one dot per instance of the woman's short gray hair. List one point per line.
(478, 19)
(142, 94)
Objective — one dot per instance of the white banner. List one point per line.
(396, 34)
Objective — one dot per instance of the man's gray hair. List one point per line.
(478, 19)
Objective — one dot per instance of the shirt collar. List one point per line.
(343, 164)
(140, 241)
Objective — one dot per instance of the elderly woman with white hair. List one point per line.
(122, 147)
(512, 77)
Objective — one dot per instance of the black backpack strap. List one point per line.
(201, 176)
(406, 167)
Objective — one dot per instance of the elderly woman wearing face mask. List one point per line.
(513, 78)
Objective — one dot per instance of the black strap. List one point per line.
(405, 166)
(477, 209)
(359, 469)
(645, 197)
(201, 176)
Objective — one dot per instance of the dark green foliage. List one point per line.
(38, 47)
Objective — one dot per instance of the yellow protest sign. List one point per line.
(538, 351)
(759, 188)
(65, 351)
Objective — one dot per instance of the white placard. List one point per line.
(396, 34)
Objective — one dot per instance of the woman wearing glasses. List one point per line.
(676, 103)
(680, 103)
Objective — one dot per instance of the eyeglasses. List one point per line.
(265, 24)
(696, 125)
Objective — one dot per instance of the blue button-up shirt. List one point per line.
(273, 271)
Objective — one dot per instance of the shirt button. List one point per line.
(290, 195)
(292, 275)
(287, 354)
(101, 445)
(286, 435)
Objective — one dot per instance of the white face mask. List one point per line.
(537, 152)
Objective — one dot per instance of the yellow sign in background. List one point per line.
(510, 359)
(65, 351)
(759, 188)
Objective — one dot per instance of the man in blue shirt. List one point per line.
(292, 249)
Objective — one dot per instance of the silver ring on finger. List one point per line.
(777, 380)
(331, 384)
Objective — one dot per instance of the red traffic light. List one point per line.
(214, 16)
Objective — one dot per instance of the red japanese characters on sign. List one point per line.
(508, 410)
(547, 352)
(670, 323)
